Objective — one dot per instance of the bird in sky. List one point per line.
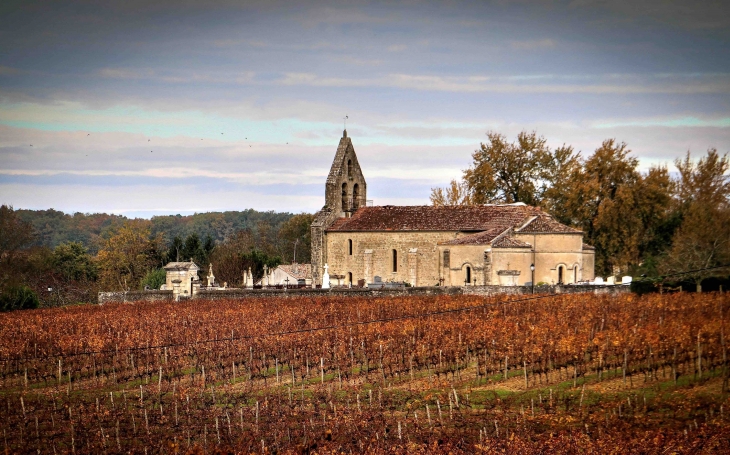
(148, 140)
(150, 151)
(31, 145)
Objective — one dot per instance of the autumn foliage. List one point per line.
(577, 373)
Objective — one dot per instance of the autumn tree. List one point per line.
(127, 256)
(703, 238)
(507, 172)
(457, 193)
(295, 239)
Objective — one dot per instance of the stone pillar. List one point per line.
(368, 266)
(413, 266)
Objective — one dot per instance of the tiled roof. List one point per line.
(481, 238)
(545, 224)
(510, 242)
(298, 271)
(588, 247)
(431, 218)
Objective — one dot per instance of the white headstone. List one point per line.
(626, 279)
(611, 280)
(326, 278)
(598, 280)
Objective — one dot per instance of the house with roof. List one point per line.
(498, 244)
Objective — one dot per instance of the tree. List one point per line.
(703, 238)
(126, 257)
(457, 193)
(18, 298)
(507, 172)
(295, 239)
(73, 262)
(15, 234)
(154, 279)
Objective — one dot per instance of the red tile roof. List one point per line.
(510, 242)
(481, 238)
(545, 224)
(431, 218)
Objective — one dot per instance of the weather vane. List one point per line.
(345, 119)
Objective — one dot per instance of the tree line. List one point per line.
(119, 254)
(654, 222)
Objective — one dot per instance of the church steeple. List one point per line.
(346, 189)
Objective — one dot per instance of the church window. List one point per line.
(447, 258)
(575, 273)
(349, 169)
(560, 274)
(349, 247)
(395, 261)
(468, 275)
(349, 278)
(344, 196)
(355, 196)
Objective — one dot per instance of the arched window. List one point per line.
(395, 261)
(468, 275)
(344, 196)
(560, 274)
(349, 168)
(349, 278)
(355, 196)
(349, 247)
(575, 273)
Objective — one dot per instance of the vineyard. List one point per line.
(578, 373)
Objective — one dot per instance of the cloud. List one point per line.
(599, 84)
(546, 43)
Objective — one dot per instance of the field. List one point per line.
(546, 374)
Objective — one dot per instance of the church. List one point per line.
(495, 244)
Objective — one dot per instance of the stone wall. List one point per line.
(408, 291)
(135, 296)
(372, 255)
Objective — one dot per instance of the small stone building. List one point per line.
(429, 245)
(182, 278)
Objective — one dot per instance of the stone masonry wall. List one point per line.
(408, 291)
(379, 246)
(135, 296)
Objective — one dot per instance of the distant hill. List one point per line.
(53, 227)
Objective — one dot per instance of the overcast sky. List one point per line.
(144, 108)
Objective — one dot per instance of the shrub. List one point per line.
(18, 298)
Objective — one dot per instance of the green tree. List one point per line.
(73, 262)
(154, 279)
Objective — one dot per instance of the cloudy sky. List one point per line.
(144, 108)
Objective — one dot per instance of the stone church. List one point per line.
(501, 244)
